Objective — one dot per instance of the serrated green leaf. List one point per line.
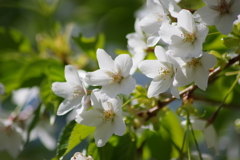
(117, 148)
(91, 44)
(71, 136)
(79, 133)
(231, 42)
(64, 138)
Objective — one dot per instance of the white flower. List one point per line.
(73, 90)
(2, 89)
(45, 132)
(153, 21)
(221, 13)
(238, 20)
(185, 39)
(10, 137)
(197, 69)
(171, 6)
(163, 73)
(208, 131)
(106, 116)
(137, 46)
(80, 156)
(113, 76)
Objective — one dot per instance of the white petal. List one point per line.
(117, 105)
(160, 53)
(68, 105)
(89, 118)
(71, 76)
(198, 124)
(137, 28)
(127, 85)
(150, 68)
(95, 99)
(186, 21)
(103, 133)
(153, 40)
(207, 15)
(211, 137)
(118, 125)
(105, 61)
(224, 23)
(111, 90)
(124, 64)
(208, 60)
(211, 2)
(98, 77)
(158, 85)
(201, 78)
(167, 31)
(48, 141)
(180, 79)
(149, 23)
(62, 89)
(174, 91)
(137, 58)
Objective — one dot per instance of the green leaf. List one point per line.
(79, 133)
(12, 40)
(71, 136)
(231, 42)
(91, 44)
(117, 148)
(64, 138)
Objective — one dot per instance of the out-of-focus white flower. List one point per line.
(11, 138)
(209, 132)
(221, 13)
(80, 156)
(86, 104)
(197, 69)
(171, 6)
(163, 73)
(73, 90)
(153, 21)
(186, 39)
(195, 155)
(2, 89)
(238, 20)
(106, 116)
(137, 46)
(113, 76)
(45, 132)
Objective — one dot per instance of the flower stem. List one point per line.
(213, 33)
(189, 124)
(130, 100)
(214, 115)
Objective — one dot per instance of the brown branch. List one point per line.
(189, 90)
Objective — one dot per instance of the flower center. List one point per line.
(194, 63)
(159, 17)
(107, 116)
(165, 73)
(223, 7)
(115, 77)
(77, 91)
(188, 37)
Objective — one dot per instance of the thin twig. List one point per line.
(153, 111)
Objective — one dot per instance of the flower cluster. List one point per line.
(180, 60)
(114, 77)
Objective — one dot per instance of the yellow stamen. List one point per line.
(188, 37)
(107, 116)
(115, 77)
(165, 73)
(194, 63)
